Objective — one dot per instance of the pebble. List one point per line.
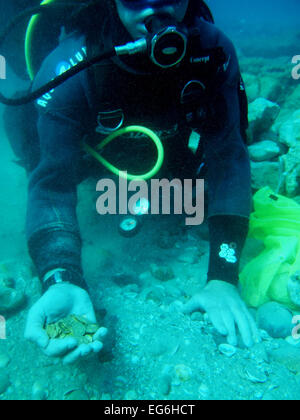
(293, 342)
(227, 350)
(255, 375)
(76, 395)
(264, 150)
(131, 395)
(106, 397)
(155, 293)
(183, 372)
(135, 360)
(204, 392)
(286, 355)
(4, 360)
(39, 392)
(176, 307)
(264, 335)
(275, 319)
(132, 288)
(259, 354)
(120, 381)
(174, 292)
(258, 396)
(130, 295)
(4, 381)
(197, 316)
(10, 299)
(146, 279)
(165, 385)
(162, 273)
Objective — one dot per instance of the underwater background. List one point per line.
(154, 352)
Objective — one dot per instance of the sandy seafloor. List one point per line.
(153, 352)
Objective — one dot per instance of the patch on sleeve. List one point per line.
(228, 252)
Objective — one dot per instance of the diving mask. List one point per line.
(143, 4)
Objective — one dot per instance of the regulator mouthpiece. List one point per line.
(167, 41)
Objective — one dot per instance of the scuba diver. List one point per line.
(186, 79)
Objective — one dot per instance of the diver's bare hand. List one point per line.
(57, 303)
(226, 310)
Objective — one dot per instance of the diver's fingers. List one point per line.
(229, 323)
(97, 346)
(192, 305)
(217, 321)
(82, 351)
(34, 330)
(85, 350)
(58, 347)
(254, 329)
(72, 357)
(243, 325)
(89, 316)
(101, 333)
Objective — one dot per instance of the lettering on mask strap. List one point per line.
(61, 68)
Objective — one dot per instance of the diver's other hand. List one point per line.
(57, 303)
(226, 310)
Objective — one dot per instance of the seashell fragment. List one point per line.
(227, 350)
(76, 395)
(254, 375)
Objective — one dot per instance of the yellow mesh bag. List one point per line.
(275, 221)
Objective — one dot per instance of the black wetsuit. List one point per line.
(153, 100)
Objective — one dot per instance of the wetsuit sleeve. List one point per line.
(53, 234)
(228, 175)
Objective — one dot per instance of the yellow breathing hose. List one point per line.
(28, 40)
(138, 129)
